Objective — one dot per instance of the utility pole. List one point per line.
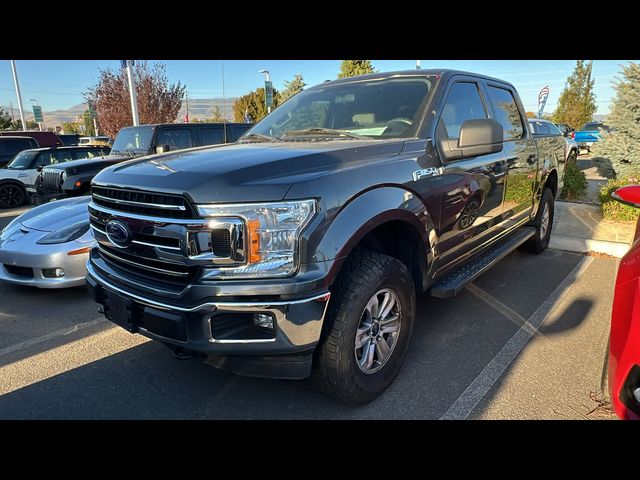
(132, 92)
(187, 97)
(223, 102)
(15, 81)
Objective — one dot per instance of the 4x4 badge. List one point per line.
(426, 172)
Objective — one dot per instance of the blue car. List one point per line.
(589, 134)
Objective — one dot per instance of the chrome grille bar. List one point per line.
(138, 242)
(142, 265)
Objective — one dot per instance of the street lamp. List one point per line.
(267, 84)
(35, 102)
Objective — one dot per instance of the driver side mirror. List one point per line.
(163, 148)
(477, 137)
(39, 168)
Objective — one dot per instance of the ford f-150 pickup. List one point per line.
(299, 250)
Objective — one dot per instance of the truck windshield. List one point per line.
(22, 161)
(377, 108)
(133, 139)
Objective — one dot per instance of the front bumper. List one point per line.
(216, 327)
(26, 254)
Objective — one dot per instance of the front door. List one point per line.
(471, 189)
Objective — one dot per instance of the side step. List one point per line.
(451, 284)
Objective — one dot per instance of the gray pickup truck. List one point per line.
(299, 250)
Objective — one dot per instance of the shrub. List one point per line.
(614, 210)
(575, 182)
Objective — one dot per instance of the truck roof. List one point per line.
(444, 73)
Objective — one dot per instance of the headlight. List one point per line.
(67, 234)
(63, 177)
(273, 231)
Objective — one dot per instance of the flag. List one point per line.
(542, 100)
(186, 118)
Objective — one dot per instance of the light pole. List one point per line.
(15, 82)
(267, 80)
(128, 64)
(35, 102)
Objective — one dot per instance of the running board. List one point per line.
(451, 284)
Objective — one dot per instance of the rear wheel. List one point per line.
(12, 195)
(543, 224)
(368, 329)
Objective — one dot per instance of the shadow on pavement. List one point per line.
(453, 341)
(570, 319)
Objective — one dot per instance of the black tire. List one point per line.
(12, 195)
(539, 242)
(336, 371)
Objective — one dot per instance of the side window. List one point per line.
(16, 145)
(80, 154)
(212, 135)
(176, 138)
(42, 160)
(463, 103)
(59, 156)
(553, 130)
(506, 112)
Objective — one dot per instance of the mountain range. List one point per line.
(199, 108)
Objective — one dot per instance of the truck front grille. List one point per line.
(142, 203)
(51, 181)
(147, 268)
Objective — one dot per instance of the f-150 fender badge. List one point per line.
(427, 172)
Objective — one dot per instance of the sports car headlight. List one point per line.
(72, 232)
(272, 234)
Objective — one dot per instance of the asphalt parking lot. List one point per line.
(527, 340)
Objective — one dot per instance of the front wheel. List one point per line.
(368, 329)
(12, 196)
(543, 224)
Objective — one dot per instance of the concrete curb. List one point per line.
(581, 245)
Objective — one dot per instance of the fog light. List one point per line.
(263, 320)
(636, 394)
(53, 272)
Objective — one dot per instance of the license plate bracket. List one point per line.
(120, 311)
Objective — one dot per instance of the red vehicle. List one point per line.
(624, 343)
(44, 139)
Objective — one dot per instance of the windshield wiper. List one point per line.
(329, 132)
(259, 136)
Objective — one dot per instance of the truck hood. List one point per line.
(56, 215)
(243, 172)
(89, 164)
(8, 173)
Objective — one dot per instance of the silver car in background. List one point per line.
(48, 246)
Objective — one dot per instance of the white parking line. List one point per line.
(14, 213)
(478, 388)
(49, 336)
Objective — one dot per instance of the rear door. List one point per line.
(519, 151)
(471, 189)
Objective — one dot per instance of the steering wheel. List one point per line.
(403, 120)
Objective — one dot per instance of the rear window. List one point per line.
(595, 126)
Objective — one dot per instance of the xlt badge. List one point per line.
(426, 172)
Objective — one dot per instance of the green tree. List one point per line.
(70, 127)
(87, 120)
(352, 68)
(254, 104)
(6, 122)
(31, 125)
(577, 102)
(531, 115)
(292, 88)
(217, 115)
(621, 148)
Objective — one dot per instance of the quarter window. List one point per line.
(506, 112)
(463, 103)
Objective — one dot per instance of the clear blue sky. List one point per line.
(58, 84)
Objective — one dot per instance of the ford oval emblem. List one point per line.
(118, 233)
